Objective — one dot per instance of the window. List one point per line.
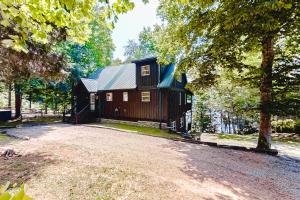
(92, 101)
(146, 96)
(109, 96)
(125, 96)
(180, 98)
(181, 122)
(189, 99)
(145, 70)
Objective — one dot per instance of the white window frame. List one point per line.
(145, 70)
(92, 101)
(109, 96)
(125, 96)
(146, 96)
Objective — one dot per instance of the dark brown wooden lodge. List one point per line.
(139, 91)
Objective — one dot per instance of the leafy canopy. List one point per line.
(144, 47)
(42, 21)
(204, 34)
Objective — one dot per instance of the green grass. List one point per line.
(145, 130)
(3, 137)
(253, 138)
(13, 124)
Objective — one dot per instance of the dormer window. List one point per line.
(109, 96)
(145, 70)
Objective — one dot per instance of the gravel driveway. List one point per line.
(63, 161)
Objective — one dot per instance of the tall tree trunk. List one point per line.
(55, 102)
(9, 96)
(265, 130)
(73, 108)
(30, 99)
(221, 122)
(18, 101)
(229, 123)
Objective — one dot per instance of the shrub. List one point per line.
(297, 126)
(247, 130)
(284, 126)
(4, 195)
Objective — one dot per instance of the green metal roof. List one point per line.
(168, 77)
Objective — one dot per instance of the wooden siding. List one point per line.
(82, 96)
(147, 82)
(134, 109)
(83, 100)
(176, 111)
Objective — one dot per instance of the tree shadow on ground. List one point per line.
(21, 169)
(243, 175)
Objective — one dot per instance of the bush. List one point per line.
(297, 126)
(247, 130)
(4, 195)
(284, 126)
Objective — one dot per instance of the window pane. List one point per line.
(145, 70)
(109, 96)
(125, 96)
(145, 96)
(189, 99)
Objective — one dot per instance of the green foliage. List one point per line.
(42, 21)
(144, 47)
(4, 137)
(206, 35)
(286, 79)
(31, 30)
(230, 101)
(5, 195)
(284, 126)
(201, 118)
(96, 52)
(297, 126)
(203, 35)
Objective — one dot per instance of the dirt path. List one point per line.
(77, 162)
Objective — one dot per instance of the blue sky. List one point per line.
(131, 24)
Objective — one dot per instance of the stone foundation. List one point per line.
(149, 124)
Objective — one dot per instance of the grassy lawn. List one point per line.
(251, 137)
(13, 124)
(144, 130)
(3, 137)
(276, 138)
